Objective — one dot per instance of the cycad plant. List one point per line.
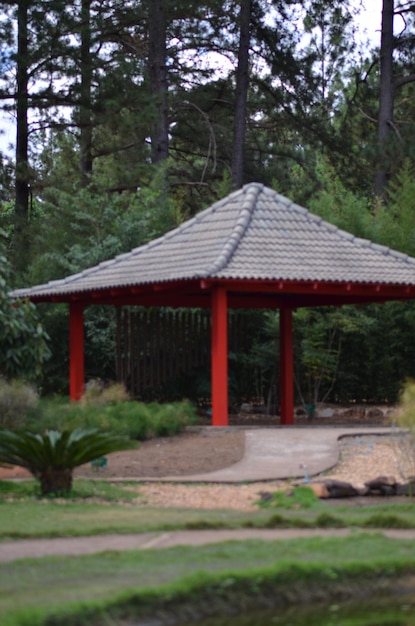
(52, 456)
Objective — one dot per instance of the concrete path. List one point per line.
(278, 453)
(72, 546)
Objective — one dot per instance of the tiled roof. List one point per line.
(253, 233)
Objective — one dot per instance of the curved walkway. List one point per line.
(279, 453)
(72, 546)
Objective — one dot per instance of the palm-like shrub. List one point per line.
(52, 456)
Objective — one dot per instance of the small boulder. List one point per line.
(266, 496)
(406, 489)
(374, 413)
(382, 485)
(326, 412)
(340, 489)
(246, 407)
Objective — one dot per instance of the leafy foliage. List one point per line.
(23, 342)
(52, 456)
(16, 400)
(312, 109)
(136, 420)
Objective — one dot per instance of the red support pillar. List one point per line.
(76, 351)
(286, 367)
(219, 348)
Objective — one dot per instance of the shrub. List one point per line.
(97, 393)
(326, 520)
(16, 400)
(52, 457)
(406, 417)
(405, 443)
(136, 420)
(380, 520)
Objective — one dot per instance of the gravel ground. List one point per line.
(367, 457)
(361, 458)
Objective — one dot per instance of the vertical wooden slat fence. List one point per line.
(155, 346)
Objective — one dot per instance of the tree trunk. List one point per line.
(55, 481)
(22, 187)
(386, 96)
(85, 122)
(158, 79)
(241, 96)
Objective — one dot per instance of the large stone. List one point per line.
(374, 413)
(340, 489)
(248, 408)
(407, 489)
(326, 412)
(381, 485)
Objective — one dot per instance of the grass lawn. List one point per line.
(102, 508)
(142, 580)
(78, 589)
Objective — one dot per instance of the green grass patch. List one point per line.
(66, 518)
(83, 489)
(297, 498)
(383, 520)
(77, 590)
(327, 520)
(101, 507)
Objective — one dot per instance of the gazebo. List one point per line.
(253, 249)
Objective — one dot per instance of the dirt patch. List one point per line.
(188, 453)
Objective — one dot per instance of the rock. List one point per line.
(374, 412)
(320, 490)
(266, 496)
(382, 485)
(407, 489)
(340, 489)
(355, 412)
(327, 412)
(246, 407)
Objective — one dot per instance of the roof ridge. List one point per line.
(251, 192)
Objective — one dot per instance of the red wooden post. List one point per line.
(76, 351)
(219, 348)
(286, 367)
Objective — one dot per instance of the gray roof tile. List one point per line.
(252, 233)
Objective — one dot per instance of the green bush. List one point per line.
(326, 520)
(135, 420)
(16, 400)
(405, 444)
(381, 520)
